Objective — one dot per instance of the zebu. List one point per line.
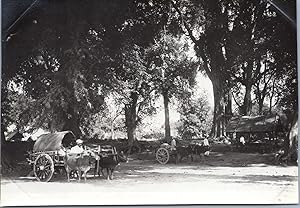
(109, 160)
(82, 162)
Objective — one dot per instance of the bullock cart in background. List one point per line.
(48, 154)
(184, 148)
(164, 153)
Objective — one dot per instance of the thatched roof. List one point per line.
(255, 124)
(54, 141)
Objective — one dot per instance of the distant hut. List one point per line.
(256, 128)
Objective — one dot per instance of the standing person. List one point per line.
(206, 146)
(173, 144)
(78, 148)
(205, 142)
(234, 139)
(242, 142)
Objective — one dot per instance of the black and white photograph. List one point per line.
(149, 102)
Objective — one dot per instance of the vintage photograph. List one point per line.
(149, 102)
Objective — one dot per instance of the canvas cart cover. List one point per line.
(54, 141)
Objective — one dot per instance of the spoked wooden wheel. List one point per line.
(162, 155)
(43, 168)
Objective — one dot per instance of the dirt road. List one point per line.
(233, 178)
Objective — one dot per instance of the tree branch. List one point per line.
(118, 113)
(193, 38)
(184, 23)
(236, 100)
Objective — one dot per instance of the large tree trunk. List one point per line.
(72, 123)
(270, 106)
(261, 99)
(248, 82)
(112, 131)
(228, 107)
(228, 110)
(130, 120)
(73, 66)
(246, 108)
(131, 129)
(218, 119)
(291, 141)
(260, 106)
(167, 114)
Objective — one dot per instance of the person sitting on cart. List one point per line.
(78, 148)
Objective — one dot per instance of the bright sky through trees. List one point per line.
(156, 122)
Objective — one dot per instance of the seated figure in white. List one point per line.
(78, 148)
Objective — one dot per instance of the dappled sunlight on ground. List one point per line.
(232, 175)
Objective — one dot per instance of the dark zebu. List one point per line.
(190, 150)
(109, 160)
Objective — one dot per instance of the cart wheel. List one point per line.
(162, 155)
(43, 168)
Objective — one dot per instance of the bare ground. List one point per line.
(223, 178)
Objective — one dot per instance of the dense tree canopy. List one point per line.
(70, 61)
(231, 39)
(173, 70)
(195, 115)
(64, 58)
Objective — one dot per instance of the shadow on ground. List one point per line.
(223, 167)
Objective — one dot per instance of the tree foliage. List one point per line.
(195, 116)
(69, 55)
(259, 68)
(231, 39)
(67, 65)
(173, 69)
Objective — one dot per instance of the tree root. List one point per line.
(131, 147)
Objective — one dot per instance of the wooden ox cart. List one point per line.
(48, 152)
(164, 152)
(184, 148)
